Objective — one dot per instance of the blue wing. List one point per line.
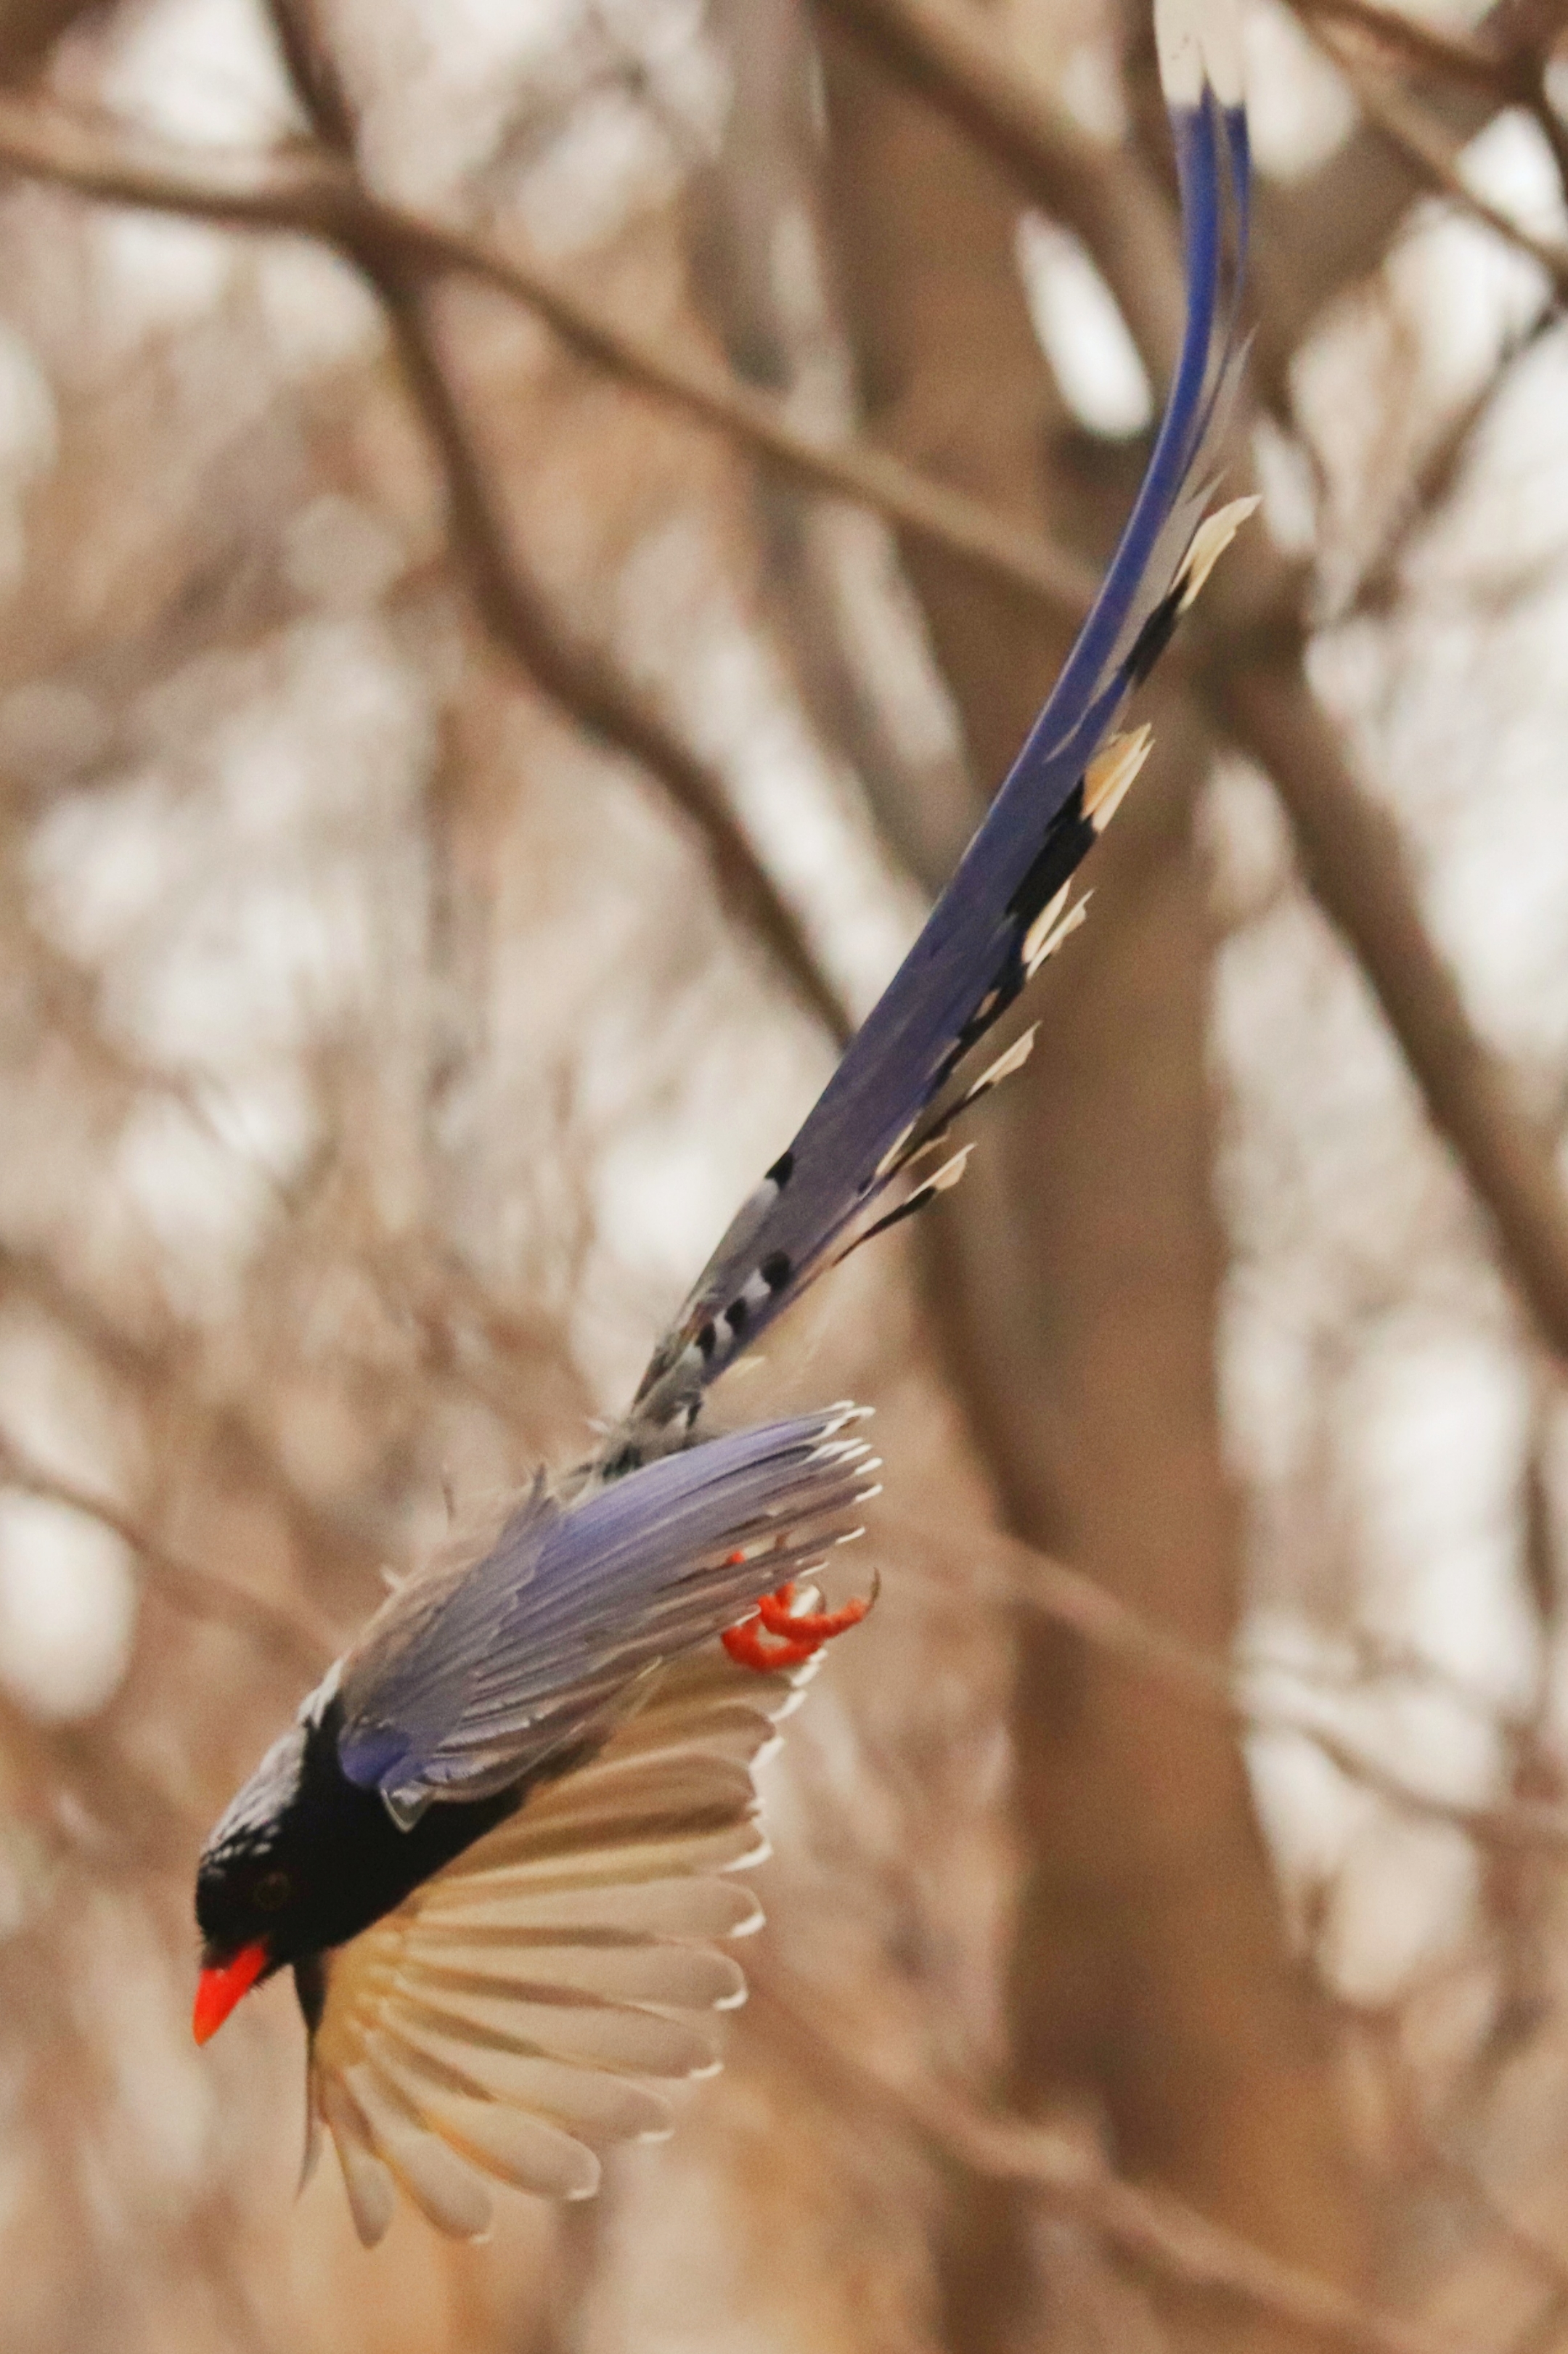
(851, 1169)
(468, 1679)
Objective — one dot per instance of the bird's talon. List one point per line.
(774, 1609)
(799, 1635)
(746, 1647)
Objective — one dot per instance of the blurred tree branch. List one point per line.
(511, 603)
(1451, 55)
(1468, 1091)
(309, 193)
(303, 189)
(1423, 145)
(158, 1371)
(1161, 2235)
(289, 1636)
(1015, 1572)
(1437, 476)
(30, 30)
(954, 60)
(1355, 860)
(1507, 64)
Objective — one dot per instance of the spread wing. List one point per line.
(519, 2012)
(467, 1682)
(853, 1168)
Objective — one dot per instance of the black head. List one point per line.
(303, 1859)
(253, 1879)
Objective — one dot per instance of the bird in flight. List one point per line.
(497, 1845)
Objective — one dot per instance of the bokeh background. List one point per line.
(528, 531)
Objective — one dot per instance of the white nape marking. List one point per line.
(1110, 773)
(1064, 931)
(1198, 41)
(255, 1807)
(1209, 541)
(1045, 924)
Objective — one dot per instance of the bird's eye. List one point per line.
(273, 1890)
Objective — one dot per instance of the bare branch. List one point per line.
(585, 681)
(1424, 147)
(1420, 45)
(321, 1535)
(1435, 478)
(1467, 1090)
(951, 59)
(304, 190)
(1356, 865)
(1016, 1571)
(314, 196)
(290, 1637)
(1160, 2233)
(1509, 72)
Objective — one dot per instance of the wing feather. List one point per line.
(537, 1648)
(518, 2014)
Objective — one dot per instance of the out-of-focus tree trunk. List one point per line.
(1076, 1282)
(757, 249)
(29, 28)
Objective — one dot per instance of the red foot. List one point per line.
(800, 1633)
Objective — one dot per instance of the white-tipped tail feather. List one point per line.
(1110, 774)
(1209, 541)
(515, 2016)
(1198, 41)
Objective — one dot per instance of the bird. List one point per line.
(497, 1845)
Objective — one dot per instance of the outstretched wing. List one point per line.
(463, 1683)
(853, 1166)
(519, 2012)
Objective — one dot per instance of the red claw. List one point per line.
(799, 1635)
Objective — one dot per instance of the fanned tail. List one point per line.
(866, 1156)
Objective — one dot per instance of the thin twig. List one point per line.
(1511, 74)
(1013, 1571)
(1356, 865)
(1439, 471)
(1156, 2231)
(309, 193)
(320, 1535)
(1259, 700)
(304, 190)
(583, 681)
(295, 1641)
(1420, 45)
(1423, 145)
(952, 58)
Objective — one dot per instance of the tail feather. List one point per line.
(849, 1172)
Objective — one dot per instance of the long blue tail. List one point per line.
(865, 1157)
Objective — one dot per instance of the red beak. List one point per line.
(219, 1988)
